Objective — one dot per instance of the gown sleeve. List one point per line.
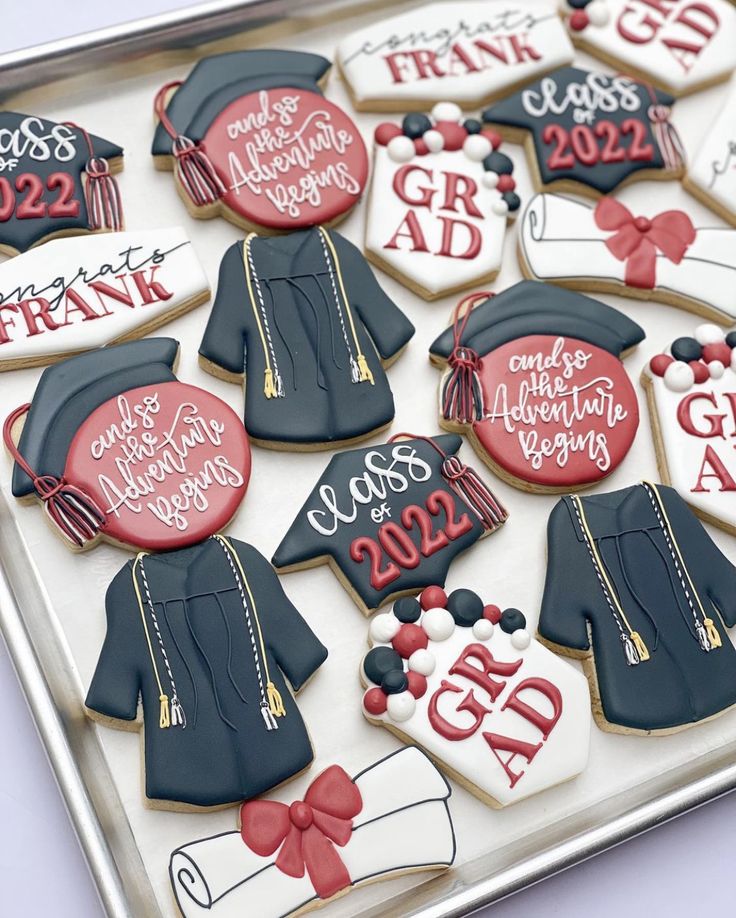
(224, 341)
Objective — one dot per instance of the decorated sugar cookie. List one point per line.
(637, 589)
(609, 248)
(390, 519)
(711, 176)
(76, 294)
(691, 390)
(589, 132)
(115, 447)
(250, 136)
(469, 684)
(534, 377)
(56, 179)
(680, 45)
(288, 858)
(440, 198)
(301, 321)
(206, 638)
(464, 52)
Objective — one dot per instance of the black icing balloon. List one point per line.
(465, 606)
(407, 609)
(686, 349)
(578, 4)
(499, 163)
(512, 620)
(395, 681)
(379, 661)
(512, 199)
(472, 125)
(731, 339)
(415, 124)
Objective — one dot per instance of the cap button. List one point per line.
(643, 224)
(301, 815)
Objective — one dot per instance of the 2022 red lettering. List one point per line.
(25, 197)
(581, 144)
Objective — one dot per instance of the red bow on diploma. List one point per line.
(637, 239)
(307, 831)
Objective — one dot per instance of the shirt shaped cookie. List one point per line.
(77, 294)
(389, 819)
(390, 519)
(610, 249)
(466, 52)
(680, 45)
(303, 321)
(250, 136)
(534, 377)
(440, 198)
(589, 132)
(636, 588)
(55, 180)
(468, 684)
(115, 447)
(692, 393)
(206, 637)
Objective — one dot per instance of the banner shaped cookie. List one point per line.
(609, 249)
(691, 391)
(534, 377)
(469, 685)
(711, 176)
(465, 52)
(55, 180)
(76, 294)
(637, 589)
(391, 818)
(440, 198)
(589, 132)
(390, 519)
(250, 136)
(115, 447)
(680, 45)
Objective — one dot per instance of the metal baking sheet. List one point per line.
(51, 602)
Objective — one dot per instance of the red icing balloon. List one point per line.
(493, 136)
(578, 20)
(374, 701)
(410, 637)
(700, 371)
(386, 131)
(420, 147)
(659, 364)
(417, 683)
(453, 133)
(433, 597)
(720, 351)
(506, 183)
(492, 613)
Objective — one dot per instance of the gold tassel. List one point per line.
(269, 390)
(712, 632)
(164, 721)
(275, 702)
(365, 373)
(641, 647)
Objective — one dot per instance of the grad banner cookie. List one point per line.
(534, 377)
(249, 135)
(391, 818)
(440, 198)
(115, 447)
(465, 52)
(467, 683)
(691, 391)
(390, 519)
(680, 45)
(608, 249)
(80, 293)
(55, 180)
(589, 132)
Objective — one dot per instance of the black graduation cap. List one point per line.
(54, 178)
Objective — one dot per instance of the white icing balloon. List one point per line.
(679, 376)
(716, 369)
(733, 359)
(422, 662)
(520, 639)
(483, 629)
(401, 706)
(384, 628)
(598, 14)
(477, 147)
(490, 179)
(500, 207)
(400, 148)
(438, 624)
(434, 140)
(447, 111)
(708, 334)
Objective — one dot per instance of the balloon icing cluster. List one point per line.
(587, 12)
(695, 360)
(399, 667)
(422, 135)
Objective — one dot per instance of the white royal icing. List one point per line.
(713, 170)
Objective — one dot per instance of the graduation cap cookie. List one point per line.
(536, 382)
(115, 447)
(589, 132)
(55, 179)
(249, 135)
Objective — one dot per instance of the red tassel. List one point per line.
(104, 205)
(196, 173)
(462, 393)
(465, 481)
(668, 140)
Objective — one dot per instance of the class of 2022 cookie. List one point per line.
(439, 202)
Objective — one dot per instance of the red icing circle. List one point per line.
(417, 684)
(288, 157)
(374, 701)
(558, 412)
(410, 637)
(168, 464)
(492, 613)
(433, 597)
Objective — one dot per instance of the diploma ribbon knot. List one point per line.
(636, 240)
(306, 832)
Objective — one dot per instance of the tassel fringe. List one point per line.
(196, 173)
(668, 140)
(632, 657)
(102, 196)
(365, 371)
(73, 512)
(641, 647)
(273, 385)
(178, 718)
(712, 632)
(268, 718)
(354, 370)
(703, 638)
(275, 702)
(163, 720)
(474, 492)
(462, 396)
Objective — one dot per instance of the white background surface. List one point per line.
(678, 870)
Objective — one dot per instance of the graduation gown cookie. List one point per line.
(56, 179)
(249, 135)
(115, 447)
(534, 377)
(637, 589)
(206, 638)
(302, 322)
